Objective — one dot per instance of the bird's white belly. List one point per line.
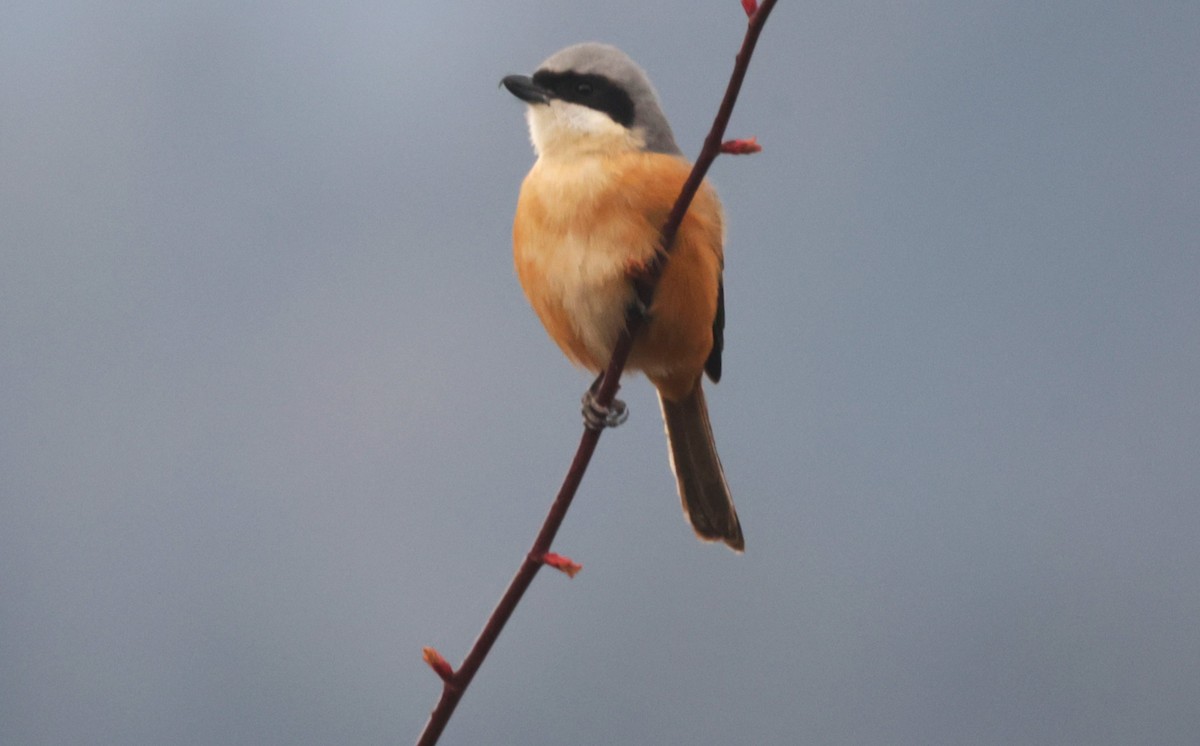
(587, 279)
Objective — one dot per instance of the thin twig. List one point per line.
(457, 682)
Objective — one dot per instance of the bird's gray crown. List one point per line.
(610, 63)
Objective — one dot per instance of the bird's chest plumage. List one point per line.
(575, 238)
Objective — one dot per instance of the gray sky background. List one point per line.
(274, 413)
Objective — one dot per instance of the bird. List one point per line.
(606, 175)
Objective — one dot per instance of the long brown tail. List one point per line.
(702, 488)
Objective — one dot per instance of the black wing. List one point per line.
(712, 366)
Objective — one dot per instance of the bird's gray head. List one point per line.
(592, 98)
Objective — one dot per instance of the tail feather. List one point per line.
(698, 473)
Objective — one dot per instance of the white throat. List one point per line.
(563, 129)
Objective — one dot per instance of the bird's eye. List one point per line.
(584, 89)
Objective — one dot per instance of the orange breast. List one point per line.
(582, 224)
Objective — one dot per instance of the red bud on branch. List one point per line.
(750, 6)
(561, 563)
(741, 147)
(437, 663)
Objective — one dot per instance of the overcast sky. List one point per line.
(274, 413)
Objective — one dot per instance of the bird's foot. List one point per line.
(597, 417)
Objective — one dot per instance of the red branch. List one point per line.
(457, 681)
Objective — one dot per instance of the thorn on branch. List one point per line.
(741, 147)
(750, 6)
(561, 563)
(438, 664)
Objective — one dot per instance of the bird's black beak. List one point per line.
(523, 87)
